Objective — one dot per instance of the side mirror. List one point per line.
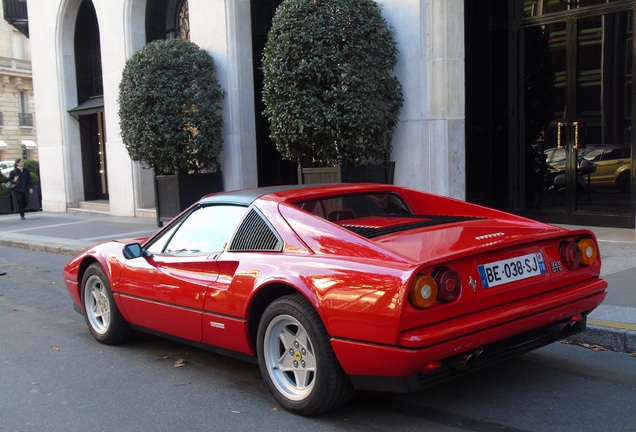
(133, 250)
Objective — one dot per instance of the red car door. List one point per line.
(165, 289)
(166, 293)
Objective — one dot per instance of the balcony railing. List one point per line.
(9, 65)
(25, 119)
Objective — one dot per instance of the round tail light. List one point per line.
(570, 254)
(589, 251)
(449, 285)
(423, 291)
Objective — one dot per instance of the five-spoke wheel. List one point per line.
(100, 311)
(296, 358)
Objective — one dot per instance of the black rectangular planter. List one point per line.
(35, 201)
(6, 204)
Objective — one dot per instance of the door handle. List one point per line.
(559, 126)
(576, 134)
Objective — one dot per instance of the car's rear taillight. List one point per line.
(449, 285)
(570, 254)
(425, 290)
(580, 253)
(589, 251)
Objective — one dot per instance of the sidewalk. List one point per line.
(612, 325)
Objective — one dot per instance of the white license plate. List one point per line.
(510, 270)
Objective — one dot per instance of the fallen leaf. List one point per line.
(593, 347)
(183, 384)
(596, 348)
(55, 347)
(35, 383)
(180, 363)
(161, 357)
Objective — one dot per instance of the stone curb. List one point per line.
(620, 338)
(56, 248)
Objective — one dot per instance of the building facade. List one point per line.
(492, 88)
(107, 32)
(17, 120)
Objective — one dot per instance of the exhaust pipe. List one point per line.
(466, 360)
(564, 329)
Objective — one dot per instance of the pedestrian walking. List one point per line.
(21, 178)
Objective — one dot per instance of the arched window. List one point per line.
(167, 19)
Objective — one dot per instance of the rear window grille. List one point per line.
(255, 234)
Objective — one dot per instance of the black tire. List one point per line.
(622, 182)
(100, 310)
(296, 358)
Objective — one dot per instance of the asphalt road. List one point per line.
(55, 377)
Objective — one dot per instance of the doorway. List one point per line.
(549, 102)
(575, 119)
(89, 112)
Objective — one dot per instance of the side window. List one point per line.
(205, 230)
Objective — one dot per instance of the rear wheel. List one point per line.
(100, 311)
(296, 358)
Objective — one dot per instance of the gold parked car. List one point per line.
(613, 165)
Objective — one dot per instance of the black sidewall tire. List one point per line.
(119, 331)
(332, 387)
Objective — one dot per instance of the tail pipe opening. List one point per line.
(563, 329)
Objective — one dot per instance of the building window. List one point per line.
(167, 19)
(17, 45)
(25, 118)
(1, 119)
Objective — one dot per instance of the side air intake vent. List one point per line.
(255, 234)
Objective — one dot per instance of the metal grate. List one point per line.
(255, 234)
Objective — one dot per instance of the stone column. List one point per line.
(224, 29)
(429, 143)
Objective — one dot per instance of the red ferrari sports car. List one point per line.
(339, 287)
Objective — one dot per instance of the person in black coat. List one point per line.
(21, 177)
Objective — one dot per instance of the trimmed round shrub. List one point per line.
(328, 86)
(170, 108)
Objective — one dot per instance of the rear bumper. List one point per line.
(465, 347)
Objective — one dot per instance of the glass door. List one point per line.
(576, 118)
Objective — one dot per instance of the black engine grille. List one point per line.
(420, 222)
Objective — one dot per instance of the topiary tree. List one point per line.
(328, 89)
(170, 108)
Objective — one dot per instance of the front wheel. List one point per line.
(100, 311)
(296, 358)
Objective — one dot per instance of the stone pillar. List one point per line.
(429, 143)
(224, 29)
